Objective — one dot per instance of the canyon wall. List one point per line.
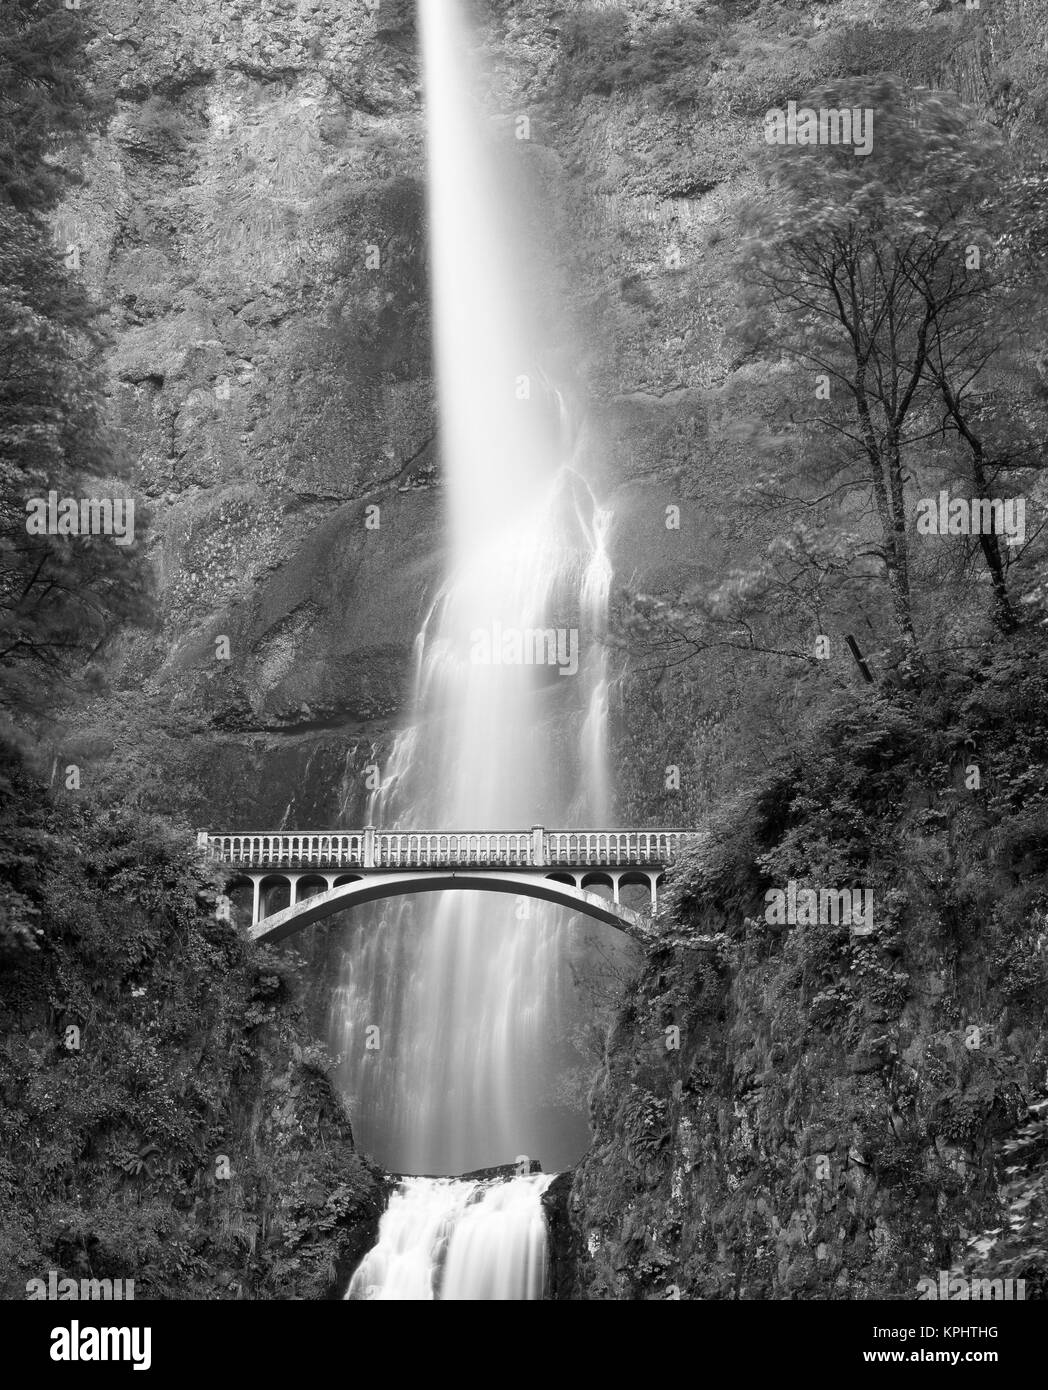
(253, 220)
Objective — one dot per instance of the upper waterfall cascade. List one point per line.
(472, 993)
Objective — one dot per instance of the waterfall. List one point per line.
(453, 1010)
(448, 1240)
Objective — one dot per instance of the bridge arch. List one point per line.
(376, 887)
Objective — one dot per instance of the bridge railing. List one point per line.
(612, 847)
(408, 849)
(336, 850)
(422, 848)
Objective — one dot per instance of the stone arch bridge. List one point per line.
(329, 871)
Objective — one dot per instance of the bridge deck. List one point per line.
(371, 849)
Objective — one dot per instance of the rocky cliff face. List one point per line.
(814, 1109)
(254, 221)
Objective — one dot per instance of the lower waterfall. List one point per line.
(458, 1239)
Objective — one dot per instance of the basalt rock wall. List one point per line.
(253, 220)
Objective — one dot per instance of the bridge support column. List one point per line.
(654, 894)
(615, 887)
(293, 882)
(329, 879)
(256, 898)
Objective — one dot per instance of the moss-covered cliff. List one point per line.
(829, 1126)
(164, 1116)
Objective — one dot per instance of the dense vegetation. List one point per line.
(163, 1117)
(866, 697)
(141, 1040)
(844, 1105)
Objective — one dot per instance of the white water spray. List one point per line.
(448, 1240)
(469, 991)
